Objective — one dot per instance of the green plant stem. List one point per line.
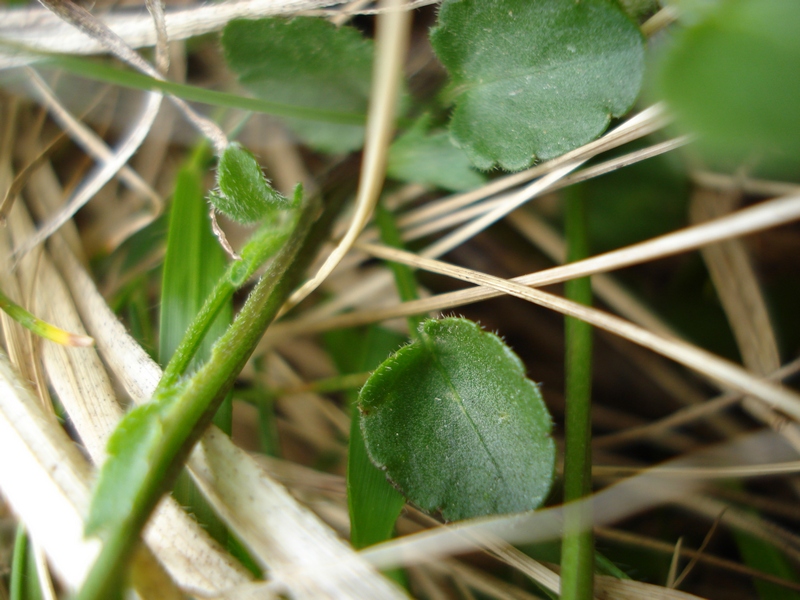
(261, 246)
(196, 404)
(577, 552)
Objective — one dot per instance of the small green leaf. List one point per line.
(431, 159)
(536, 79)
(305, 62)
(244, 195)
(732, 79)
(457, 426)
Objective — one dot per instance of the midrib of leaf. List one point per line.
(430, 349)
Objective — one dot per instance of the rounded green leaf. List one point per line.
(457, 426)
(536, 79)
(734, 79)
(244, 194)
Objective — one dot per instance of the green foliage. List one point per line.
(244, 195)
(97, 71)
(457, 426)
(305, 62)
(536, 79)
(430, 158)
(731, 78)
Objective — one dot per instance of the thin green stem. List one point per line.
(261, 246)
(577, 554)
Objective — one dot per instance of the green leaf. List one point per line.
(457, 426)
(305, 62)
(431, 159)
(731, 79)
(244, 195)
(536, 79)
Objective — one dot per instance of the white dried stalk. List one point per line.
(393, 29)
(762, 216)
(617, 502)
(44, 479)
(40, 30)
(109, 165)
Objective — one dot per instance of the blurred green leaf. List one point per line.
(306, 62)
(536, 79)
(431, 159)
(732, 79)
(457, 426)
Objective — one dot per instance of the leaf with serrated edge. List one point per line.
(536, 79)
(305, 62)
(457, 426)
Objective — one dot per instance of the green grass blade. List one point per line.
(24, 580)
(97, 71)
(577, 551)
(373, 503)
(403, 275)
(41, 328)
(193, 265)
